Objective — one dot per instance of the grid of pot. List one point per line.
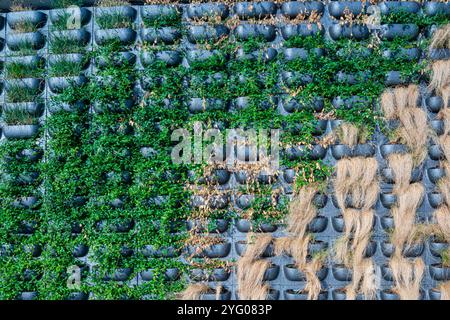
(92, 35)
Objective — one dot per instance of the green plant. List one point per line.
(18, 117)
(19, 93)
(61, 44)
(64, 68)
(16, 70)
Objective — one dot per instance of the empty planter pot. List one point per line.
(59, 84)
(435, 174)
(20, 131)
(201, 33)
(292, 273)
(292, 9)
(207, 10)
(338, 9)
(241, 247)
(244, 225)
(440, 272)
(170, 57)
(412, 251)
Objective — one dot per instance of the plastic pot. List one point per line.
(434, 294)
(255, 10)
(291, 294)
(294, 79)
(406, 31)
(389, 7)
(394, 78)
(31, 295)
(388, 175)
(318, 224)
(241, 247)
(338, 9)
(436, 248)
(289, 175)
(57, 14)
(434, 103)
(341, 295)
(435, 174)
(78, 296)
(59, 84)
(170, 57)
(303, 30)
(388, 294)
(292, 9)
(351, 102)
(165, 35)
(164, 252)
(118, 59)
(432, 8)
(320, 200)
(411, 251)
(32, 40)
(366, 150)
(171, 274)
(247, 31)
(341, 273)
(80, 251)
(387, 149)
(439, 54)
(217, 274)
(352, 78)
(197, 105)
(271, 272)
(340, 151)
(212, 295)
(263, 55)
(20, 131)
(301, 53)
(125, 36)
(202, 55)
(356, 32)
(292, 273)
(435, 199)
(438, 126)
(338, 224)
(121, 274)
(439, 273)
(203, 10)
(219, 250)
(36, 18)
(410, 54)
(201, 33)
(388, 200)
(244, 225)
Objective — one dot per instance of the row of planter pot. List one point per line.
(288, 294)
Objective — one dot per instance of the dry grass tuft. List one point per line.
(440, 79)
(407, 276)
(445, 290)
(402, 166)
(441, 38)
(301, 211)
(194, 291)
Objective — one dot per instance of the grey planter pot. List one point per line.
(352, 78)
(304, 30)
(263, 55)
(205, 10)
(125, 36)
(220, 250)
(202, 33)
(356, 32)
(412, 251)
(387, 149)
(294, 8)
(121, 274)
(407, 31)
(436, 248)
(388, 200)
(434, 294)
(256, 10)
(31, 295)
(32, 40)
(291, 104)
(389, 7)
(439, 272)
(36, 18)
(388, 175)
(410, 54)
(26, 203)
(197, 105)
(395, 78)
(435, 199)
(170, 274)
(247, 31)
(57, 14)
(438, 126)
(59, 84)
(75, 58)
(341, 273)
(366, 150)
(245, 201)
(31, 62)
(244, 225)
(118, 59)
(165, 35)
(170, 57)
(295, 79)
(20, 131)
(341, 151)
(78, 296)
(300, 53)
(291, 294)
(202, 55)
(35, 109)
(80, 251)
(164, 252)
(82, 37)
(435, 174)
(241, 247)
(271, 272)
(212, 295)
(434, 103)
(212, 226)
(337, 9)
(30, 155)
(292, 273)
(340, 294)
(338, 224)
(351, 102)
(127, 12)
(318, 224)
(388, 294)
(217, 274)
(154, 12)
(432, 8)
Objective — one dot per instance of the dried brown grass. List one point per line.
(395, 100)
(402, 166)
(440, 79)
(407, 276)
(301, 211)
(445, 290)
(413, 132)
(348, 134)
(194, 291)
(442, 215)
(441, 38)
(364, 280)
